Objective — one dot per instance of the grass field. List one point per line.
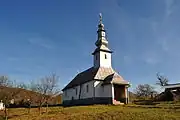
(164, 111)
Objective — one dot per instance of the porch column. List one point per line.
(126, 94)
(112, 92)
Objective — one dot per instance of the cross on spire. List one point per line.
(100, 18)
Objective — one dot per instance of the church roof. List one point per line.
(102, 48)
(108, 75)
(115, 78)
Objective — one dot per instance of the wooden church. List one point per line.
(100, 84)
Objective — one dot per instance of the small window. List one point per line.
(87, 88)
(76, 91)
(105, 56)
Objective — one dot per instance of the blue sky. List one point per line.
(38, 37)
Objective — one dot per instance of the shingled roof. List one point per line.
(101, 73)
(115, 78)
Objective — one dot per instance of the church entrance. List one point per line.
(120, 93)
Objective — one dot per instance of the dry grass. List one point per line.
(162, 111)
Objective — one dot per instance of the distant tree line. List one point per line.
(146, 91)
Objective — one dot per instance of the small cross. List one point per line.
(100, 18)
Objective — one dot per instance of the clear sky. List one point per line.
(38, 37)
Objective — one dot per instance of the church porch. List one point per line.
(120, 94)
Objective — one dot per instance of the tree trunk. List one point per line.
(47, 108)
(5, 112)
(29, 109)
(39, 108)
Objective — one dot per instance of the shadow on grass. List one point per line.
(145, 102)
(14, 116)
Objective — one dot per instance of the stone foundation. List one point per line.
(88, 101)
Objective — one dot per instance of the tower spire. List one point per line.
(102, 47)
(100, 26)
(101, 33)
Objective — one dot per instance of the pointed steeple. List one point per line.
(101, 33)
(102, 54)
(102, 42)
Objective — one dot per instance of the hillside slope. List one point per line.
(22, 95)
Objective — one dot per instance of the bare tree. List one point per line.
(30, 94)
(8, 90)
(45, 88)
(162, 81)
(4, 93)
(144, 90)
(4, 80)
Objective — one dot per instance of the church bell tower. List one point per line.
(102, 54)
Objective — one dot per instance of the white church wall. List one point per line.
(95, 89)
(102, 59)
(102, 91)
(67, 94)
(107, 90)
(73, 93)
(89, 93)
(96, 60)
(105, 59)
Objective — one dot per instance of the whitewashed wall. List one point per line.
(95, 89)
(69, 93)
(97, 60)
(105, 62)
(102, 91)
(108, 91)
(84, 94)
(100, 61)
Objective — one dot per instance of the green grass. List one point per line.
(163, 111)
